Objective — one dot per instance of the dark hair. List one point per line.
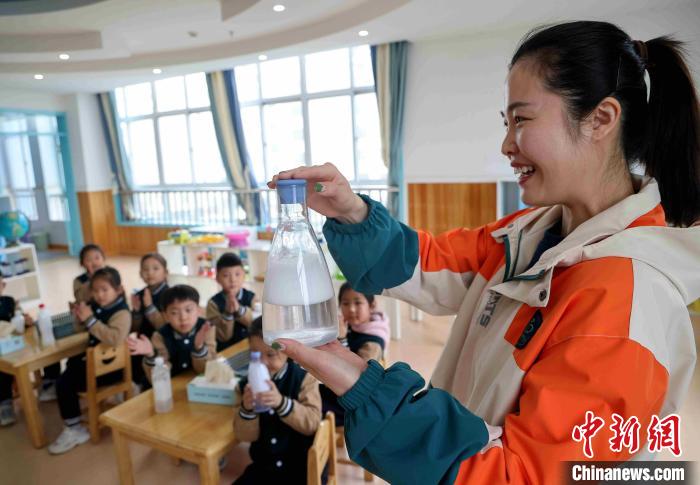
(108, 274)
(178, 293)
(157, 256)
(87, 248)
(346, 286)
(585, 62)
(228, 260)
(256, 328)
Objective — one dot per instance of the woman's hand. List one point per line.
(327, 192)
(334, 365)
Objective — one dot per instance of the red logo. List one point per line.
(626, 433)
(665, 433)
(587, 431)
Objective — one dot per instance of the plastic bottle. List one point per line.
(162, 387)
(45, 326)
(18, 322)
(258, 375)
(299, 301)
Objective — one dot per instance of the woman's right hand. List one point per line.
(327, 192)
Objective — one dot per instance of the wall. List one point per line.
(31, 100)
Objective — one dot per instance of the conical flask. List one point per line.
(298, 299)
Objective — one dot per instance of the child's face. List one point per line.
(231, 279)
(273, 359)
(103, 292)
(355, 307)
(92, 261)
(152, 272)
(182, 315)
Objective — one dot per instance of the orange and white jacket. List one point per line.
(599, 324)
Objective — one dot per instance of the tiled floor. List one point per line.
(21, 464)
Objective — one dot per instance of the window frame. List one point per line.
(304, 97)
(155, 117)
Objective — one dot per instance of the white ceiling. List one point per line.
(114, 42)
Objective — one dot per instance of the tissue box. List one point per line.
(62, 325)
(11, 344)
(199, 390)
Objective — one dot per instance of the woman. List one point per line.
(574, 305)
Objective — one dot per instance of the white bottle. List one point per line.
(162, 388)
(45, 327)
(258, 375)
(18, 322)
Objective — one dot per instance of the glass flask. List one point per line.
(298, 299)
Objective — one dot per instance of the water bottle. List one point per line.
(298, 299)
(45, 327)
(258, 375)
(18, 322)
(162, 388)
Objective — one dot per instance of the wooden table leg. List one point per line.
(209, 470)
(30, 408)
(121, 448)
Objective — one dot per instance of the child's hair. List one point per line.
(179, 293)
(87, 248)
(228, 260)
(108, 274)
(346, 286)
(256, 328)
(157, 256)
(585, 62)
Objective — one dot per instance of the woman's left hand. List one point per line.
(334, 365)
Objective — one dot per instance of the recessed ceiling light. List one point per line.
(38, 77)
(157, 70)
(279, 8)
(363, 33)
(262, 57)
(64, 56)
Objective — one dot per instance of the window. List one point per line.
(168, 133)
(312, 109)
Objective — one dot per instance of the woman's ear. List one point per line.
(604, 119)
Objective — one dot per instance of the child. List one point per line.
(185, 341)
(146, 310)
(91, 258)
(8, 305)
(108, 320)
(281, 437)
(230, 309)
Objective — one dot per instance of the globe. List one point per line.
(13, 226)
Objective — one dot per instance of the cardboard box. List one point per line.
(199, 390)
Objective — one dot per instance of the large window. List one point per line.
(168, 133)
(312, 109)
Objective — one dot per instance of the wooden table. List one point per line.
(32, 357)
(195, 432)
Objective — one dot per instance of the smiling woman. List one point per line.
(574, 306)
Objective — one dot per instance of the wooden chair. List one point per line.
(323, 452)
(101, 360)
(340, 443)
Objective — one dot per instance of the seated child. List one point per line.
(91, 259)
(8, 305)
(362, 329)
(146, 310)
(281, 437)
(185, 342)
(230, 309)
(107, 319)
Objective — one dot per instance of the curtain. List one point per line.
(117, 157)
(229, 134)
(389, 69)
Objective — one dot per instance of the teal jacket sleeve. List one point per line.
(376, 254)
(406, 434)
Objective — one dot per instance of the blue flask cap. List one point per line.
(291, 191)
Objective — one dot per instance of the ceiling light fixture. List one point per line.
(279, 8)
(363, 33)
(262, 57)
(64, 56)
(38, 77)
(157, 70)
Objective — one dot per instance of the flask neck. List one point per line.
(292, 212)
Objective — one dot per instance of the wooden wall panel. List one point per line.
(440, 207)
(99, 223)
